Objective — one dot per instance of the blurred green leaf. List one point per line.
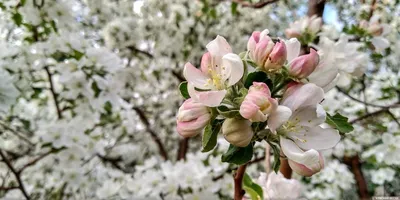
(238, 155)
(210, 135)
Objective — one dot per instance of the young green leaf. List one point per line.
(255, 191)
(339, 122)
(226, 112)
(238, 155)
(276, 150)
(258, 76)
(183, 90)
(210, 135)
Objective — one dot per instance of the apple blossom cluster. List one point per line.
(264, 94)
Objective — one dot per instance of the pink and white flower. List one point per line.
(258, 103)
(192, 118)
(298, 121)
(378, 31)
(220, 68)
(311, 25)
(276, 186)
(260, 45)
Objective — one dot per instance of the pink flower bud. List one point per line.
(258, 104)
(260, 46)
(305, 171)
(238, 132)
(304, 65)
(192, 118)
(277, 57)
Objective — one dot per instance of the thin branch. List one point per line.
(341, 90)
(153, 134)
(136, 50)
(37, 159)
(113, 162)
(256, 160)
(259, 4)
(238, 181)
(394, 117)
(8, 188)
(16, 174)
(49, 75)
(384, 110)
(24, 138)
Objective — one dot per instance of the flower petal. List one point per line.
(317, 138)
(219, 47)
(208, 98)
(232, 68)
(309, 158)
(305, 95)
(293, 49)
(309, 116)
(195, 76)
(380, 43)
(279, 117)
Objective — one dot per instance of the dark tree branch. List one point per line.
(372, 114)
(259, 4)
(238, 181)
(49, 75)
(355, 166)
(183, 147)
(113, 162)
(136, 50)
(153, 134)
(16, 174)
(316, 7)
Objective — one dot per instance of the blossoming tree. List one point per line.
(205, 99)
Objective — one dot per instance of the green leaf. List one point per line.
(255, 191)
(226, 112)
(183, 90)
(238, 155)
(258, 76)
(276, 150)
(339, 122)
(210, 135)
(234, 8)
(17, 17)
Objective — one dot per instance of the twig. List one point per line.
(183, 147)
(24, 138)
(394, 117)
(136, 50)
(9, 188)
(238, 181)
(384, 110)
(34, 161)
(113, 162)
(59, 114)
(355, 165)
(153, 134)
(259, 4)
(16, 174)
(363, 102)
